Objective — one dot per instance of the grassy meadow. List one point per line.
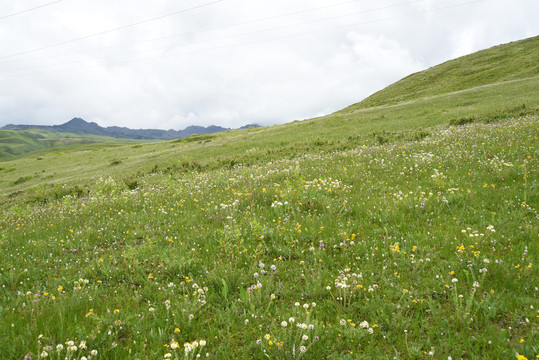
(422, 249)
(403, 230)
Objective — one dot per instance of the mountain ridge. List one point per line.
(80, 126)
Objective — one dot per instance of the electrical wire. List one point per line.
(248, 42)
(110, 30)
(28, 10)
(234, 35)
(224, 27)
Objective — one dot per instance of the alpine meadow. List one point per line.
(401, 227)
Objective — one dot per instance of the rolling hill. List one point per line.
(463, 100)
(16, 142)
(19, 139)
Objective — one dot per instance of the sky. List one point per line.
(170, 64)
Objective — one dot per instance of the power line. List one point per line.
(28, 10)
(249, 42)
(110, 30)
(230, 26)
(234, 25)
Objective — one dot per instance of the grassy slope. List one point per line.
(440, 221)
(442, 231)
(517, 60)
(13, 143)
(255, 146)
(351, 127)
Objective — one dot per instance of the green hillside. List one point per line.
(508, 62)
(17, 142)
(402, 231)
(33, 175)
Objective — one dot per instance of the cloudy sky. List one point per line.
(170, 64)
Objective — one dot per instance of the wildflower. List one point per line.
(174, 345)
(364, 324)
(167, 356)
(454, 280)
(284, 324)
(343, 322)
(305, 337)
(305, 306)
(267, 336)
(44, 354)
(59, 347)
(476, 284)
(291, 320)
(521, 357)
(302, 348)
(177, 330)
(202, 343)
(272, 296)
(93, 352)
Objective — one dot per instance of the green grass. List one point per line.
(404, 231)
(436, 239)
(18, 142)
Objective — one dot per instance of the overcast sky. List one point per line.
(170, 64)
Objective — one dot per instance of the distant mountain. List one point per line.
(80, 126)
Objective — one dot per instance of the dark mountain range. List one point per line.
(80, 126)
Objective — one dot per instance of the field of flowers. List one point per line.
(407, 250)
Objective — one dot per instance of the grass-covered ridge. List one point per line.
(507, 62)
(423, 249)
(17, 142)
